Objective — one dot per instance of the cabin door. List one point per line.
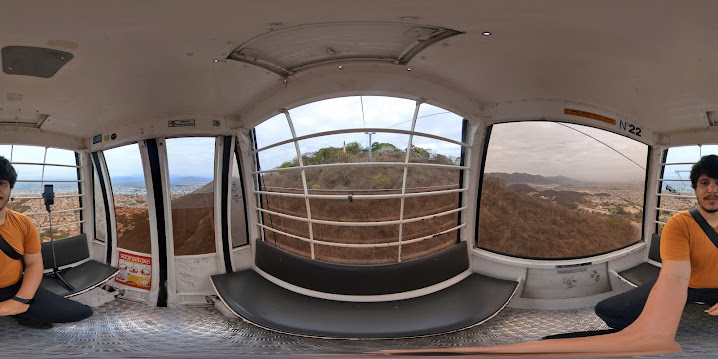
(194, 236)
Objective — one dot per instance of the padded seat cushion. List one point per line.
(472, 301)
(83, 277)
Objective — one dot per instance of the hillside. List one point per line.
(517, 177)
(364, 177)
(517, 223)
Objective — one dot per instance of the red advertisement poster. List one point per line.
(135, 270)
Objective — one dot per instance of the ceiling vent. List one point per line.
(26, 121)
(289, 50)
(712, 117)
(33, 61)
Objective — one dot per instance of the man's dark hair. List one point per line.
(7, 172)
(708, 165)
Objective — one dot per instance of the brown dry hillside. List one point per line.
(358, 180)
(192, 219)
(515, 223)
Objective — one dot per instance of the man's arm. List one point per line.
(652, 333)
(31, 280)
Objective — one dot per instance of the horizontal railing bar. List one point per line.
(361, 196)
(361, 224)
(360, 130)
(360, 190)
(56, 196)
(54, 212)
(677, 163)
(49, 181)
(676, 195)
(362, 245)
(61, 225)
(372, 164)
(45, 164)
(667, 210)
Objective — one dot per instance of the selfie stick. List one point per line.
(49, 196)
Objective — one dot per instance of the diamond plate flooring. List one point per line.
(123, 329)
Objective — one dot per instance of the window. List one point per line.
(39, 166)
(100, 221)
(554, 190)
(130, 198)
(675, 192)
(371, 180)
(191, 171)
(239, 218)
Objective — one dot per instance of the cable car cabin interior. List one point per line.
(333, 178)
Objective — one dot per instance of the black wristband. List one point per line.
(23, 301)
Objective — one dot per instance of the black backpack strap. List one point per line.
(710, 232)
(8, 249)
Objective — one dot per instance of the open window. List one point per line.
(360, 180)
(38, 166)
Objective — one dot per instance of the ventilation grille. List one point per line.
(286, 51)
(34, 121)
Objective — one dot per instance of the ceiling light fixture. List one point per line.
(486, 33)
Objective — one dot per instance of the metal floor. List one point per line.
(123, 329)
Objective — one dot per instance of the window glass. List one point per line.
(281, 156)
(100, 221)
(239, 219)
(272, 130)
(58, 156)
(191, 170)
(342, 168)
(553, 190)
(30, 154)
(346, 113)
(437, 121)
(129, 193)
(6, 151)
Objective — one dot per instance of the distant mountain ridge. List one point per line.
(517, 177)
(173, 179)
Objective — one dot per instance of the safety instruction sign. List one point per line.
(180, 123)
(135, 270)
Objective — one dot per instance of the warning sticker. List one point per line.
(591, 115)
(180, 123)
(135, 270)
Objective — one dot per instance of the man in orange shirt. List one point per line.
(689, 257)
(20, 293)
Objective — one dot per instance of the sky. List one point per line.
(358, 113)
(556, 149)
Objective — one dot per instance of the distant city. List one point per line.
(26, 188)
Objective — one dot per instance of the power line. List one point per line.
(433, 114)
(601, 142)
(362, 110)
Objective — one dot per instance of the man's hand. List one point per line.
(712, 310)
(12, 307)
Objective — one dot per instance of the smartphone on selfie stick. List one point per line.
(48, 195)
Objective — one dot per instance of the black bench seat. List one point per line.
(640, 274)
(646, 271)
(469, 302)
(76, 267)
